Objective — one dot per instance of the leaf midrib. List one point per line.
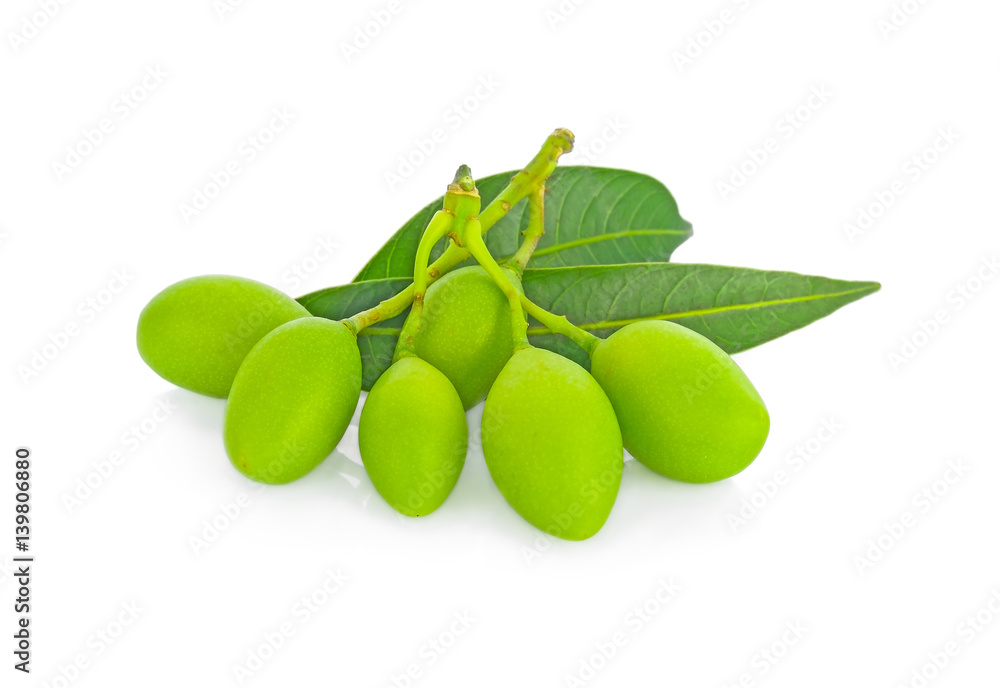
(606, 324)
(565, 246)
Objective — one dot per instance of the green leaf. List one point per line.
(737, 308)
(593, 216)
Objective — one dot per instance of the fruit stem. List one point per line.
(532, 235)
(439, 227)
(530, 179)
(560, 324)
(389, 308)
(519, 324)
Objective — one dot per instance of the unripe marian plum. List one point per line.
(465, 331)
(552, 444)
(196, 333)
(413, 436)
(686, 409)
(292, 399)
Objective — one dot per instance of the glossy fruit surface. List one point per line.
(413, 436)
(686, 409)
(196, 333)
(292, 400)
(552, 444)
(465, 332)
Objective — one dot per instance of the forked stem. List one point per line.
(528, 180)
(560, 324)
(387, 309)
(519, 262)
(439, 227)
(519, 324)
(532, 235)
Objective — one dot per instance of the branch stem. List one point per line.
(519, 324)
(529, 180)
(561, 325)
(532, 235)
(439, 227)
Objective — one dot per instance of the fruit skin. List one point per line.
(465, 331)
(686, 409)
(552, 444)
(292, 400)
(413, 436)
(196, 333)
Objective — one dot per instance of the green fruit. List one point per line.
(413, 436)
(197, 332)
(465, 331)
(292, 399)
(552, 444)
(686, 409)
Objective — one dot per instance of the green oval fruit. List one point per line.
(552, 444)
(292, 400)
(196, 333)
(465, 331)
(686, 409)
(413, 436)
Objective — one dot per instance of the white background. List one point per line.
(536, 610)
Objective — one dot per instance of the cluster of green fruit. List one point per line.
(553, 433)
